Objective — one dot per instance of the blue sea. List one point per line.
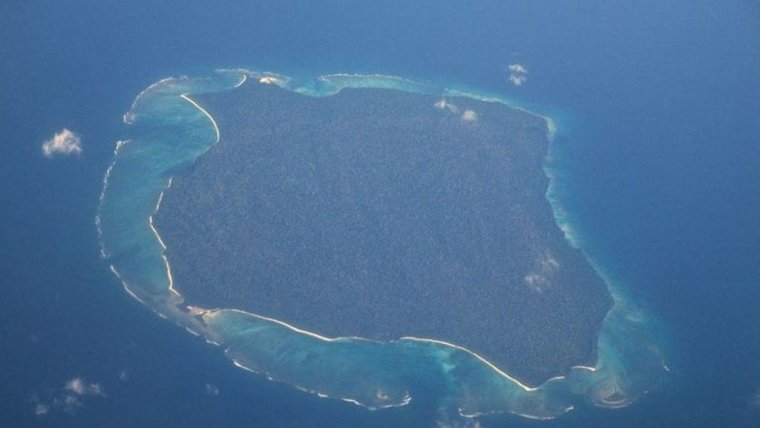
(657, 164)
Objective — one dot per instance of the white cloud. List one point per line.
(545, 268)
(41, 409)
(268, 80)
(69, 403)
(469, 116)
(444, 104)
(212, 389)
(67, 399)
(518, 68)
(65, 142)
(517, 74)
(517, 80)
(79, 386)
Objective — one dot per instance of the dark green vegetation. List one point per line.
(375, 213)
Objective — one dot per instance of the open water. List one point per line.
(656, 163)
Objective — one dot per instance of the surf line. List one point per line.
(129, 116)
(102, 196)
(208, 115)
(551, 128)
(245, 77)
(214, 313)
(404, 401)
(126, 286)
(551, 132)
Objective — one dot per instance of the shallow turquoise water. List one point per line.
(169, 131)
(657, 161)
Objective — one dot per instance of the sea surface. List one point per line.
(657, 164)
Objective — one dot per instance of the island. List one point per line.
(383, 214)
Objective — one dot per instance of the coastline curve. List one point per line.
(170, 130)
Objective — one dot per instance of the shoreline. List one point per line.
(186, 97)
(551, 127)
(160, 240)
(483, 361)
(275, 79)
(179, 301)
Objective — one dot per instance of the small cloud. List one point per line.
(69, 403)
(535, 280)
(67, 399)
(444, 104)
(549, 263)
(41, 409)
(212, 389)
(79, 386)
(469, 116)
(76, 385)
(517, 74)
(268, 80)
(546, 266)
(123, 376)
(65, 142)
(518, 68)
(517, 80)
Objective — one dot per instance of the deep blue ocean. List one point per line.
(658, 105)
